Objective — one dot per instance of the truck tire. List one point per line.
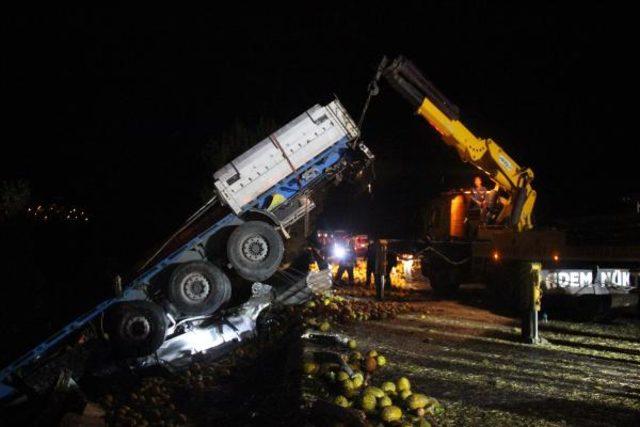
(255, 250)
(444, 278)
(508, 284)
(197, 288)
(135, 328)
(444, 281)
(495, 282)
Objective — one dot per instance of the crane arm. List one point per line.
(484, 154)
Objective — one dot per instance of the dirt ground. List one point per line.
(460, 352)
(472, 360)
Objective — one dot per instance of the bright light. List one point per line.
(495, 255)
(407, 265)
(556, 257)
(339, 251)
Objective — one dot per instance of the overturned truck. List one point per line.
(173, 308)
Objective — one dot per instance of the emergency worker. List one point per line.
(478, 193)
(346, 262)
(371, 262)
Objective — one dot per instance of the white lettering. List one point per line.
(586, 278)
(549, 280)
(615, 278)
(626, 279)
(505, 163)
(575, 279)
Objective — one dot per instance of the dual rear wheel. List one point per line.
(197, 288)
(508, 284)
(137, 328)
(444, 278)
(255, 250)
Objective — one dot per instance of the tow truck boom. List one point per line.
(502, 249)
(484, 154)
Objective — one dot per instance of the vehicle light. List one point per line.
(407, 265)
(339, 251)
(495, 255)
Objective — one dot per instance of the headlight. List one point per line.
(339, 251)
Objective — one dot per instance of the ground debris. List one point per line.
(474, 363)
(358, 394)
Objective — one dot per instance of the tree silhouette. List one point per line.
(14, 198)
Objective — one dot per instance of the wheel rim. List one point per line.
(195, 287)
(137, 328)
(255, 248)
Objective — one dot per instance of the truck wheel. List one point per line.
(508, 284)
(135, 328)
(521, 290)
(198, 287)
(444, 281)
(444, 278)
(495, 282)
(255, 250)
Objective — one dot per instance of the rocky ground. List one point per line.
(465, 359)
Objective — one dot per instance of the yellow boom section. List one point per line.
(484, 154)
(489, 157)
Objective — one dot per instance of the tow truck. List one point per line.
(174, 307)
(504, 251)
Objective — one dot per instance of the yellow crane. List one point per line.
(484, 154)
(509, 255)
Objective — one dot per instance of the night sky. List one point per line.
(111, 109)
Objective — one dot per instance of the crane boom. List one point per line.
(484, 154)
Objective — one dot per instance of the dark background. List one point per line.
(113, 110)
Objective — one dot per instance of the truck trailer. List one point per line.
(173, 306)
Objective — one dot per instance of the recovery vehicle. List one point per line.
(172, 309)
(502, 249)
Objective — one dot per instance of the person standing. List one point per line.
(314, 249)
(371, 262)
(478, 192)
(380, 268)
(392, 259)
(479, 197)
(347, 263)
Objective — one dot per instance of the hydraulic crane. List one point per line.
(484, 154)
(505, 251)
